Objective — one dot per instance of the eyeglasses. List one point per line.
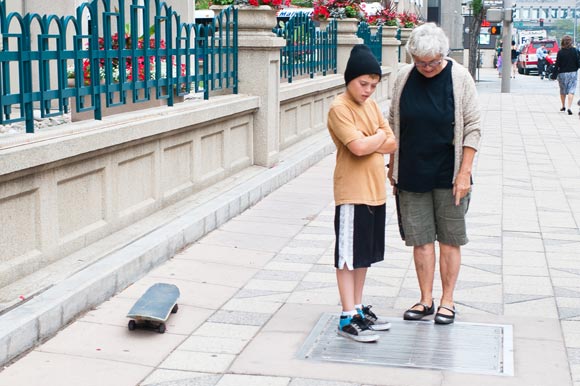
(431, 64)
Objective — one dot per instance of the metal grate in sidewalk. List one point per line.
(462, 347)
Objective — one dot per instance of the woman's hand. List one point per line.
(461, 186)
(390, 174)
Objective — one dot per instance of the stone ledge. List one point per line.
(26, 151)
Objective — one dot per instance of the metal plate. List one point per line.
(462, 347)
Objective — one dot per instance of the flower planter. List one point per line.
(405, 33)
(346, 26)
(390, 32)
(129, 106)
(256, 20)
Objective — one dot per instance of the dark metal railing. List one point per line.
(373, 40)
(125, 54)
(309, 50)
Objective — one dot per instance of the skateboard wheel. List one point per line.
(174, 309)
(131, 325)
(162, 328)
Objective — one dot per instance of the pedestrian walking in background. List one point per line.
(567, 62)
(541, 53)
(514, 55)
(435, 117)
(499, 65)
(362, 137)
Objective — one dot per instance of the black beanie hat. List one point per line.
(361, 62)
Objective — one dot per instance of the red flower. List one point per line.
(338, 9)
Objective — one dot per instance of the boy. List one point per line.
(362, 137)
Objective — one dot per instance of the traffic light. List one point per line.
(495, 30)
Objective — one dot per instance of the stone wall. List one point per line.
(74, 185)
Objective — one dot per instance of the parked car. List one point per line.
(528, 61)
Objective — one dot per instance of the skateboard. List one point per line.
(153, 308)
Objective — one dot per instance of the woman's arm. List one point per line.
(463, 180)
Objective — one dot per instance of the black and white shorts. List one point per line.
(360, 235)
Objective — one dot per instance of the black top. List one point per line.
(515, 53)
(567, 60)
(426, 151)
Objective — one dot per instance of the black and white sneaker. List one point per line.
(357, 329)
(374, 322)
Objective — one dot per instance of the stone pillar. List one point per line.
(404, 57)
(259, 74)
(346, 39)
(390, 53)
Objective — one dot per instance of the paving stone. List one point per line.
(574, 356)
(492, 308)
(306, 235)
(227, 330)
(383, 281)
(317, 382)
(302, 250)
(566, 292)
(251, 304)
(541, 308)
(483, 252)
(568, 313)
(240, 317)
(324, 269)
(528, 285)
(409, 293)
(379, 302)
(518, 298)
(292, 267)
(304, 259)
(279, 275)
(488, 267)
(253, 380)
(197, 361)
(214, 344)
(180, 378)
(271, 285)
(311, 244)
(309, 285)
(190, 382)
(310, 229)
(278, 297)
(252, 293)
(571, 330)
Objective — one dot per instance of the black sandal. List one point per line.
(444, 318)
(412, 314)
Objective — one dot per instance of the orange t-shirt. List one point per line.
(357, 180)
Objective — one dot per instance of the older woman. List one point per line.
(435, 117)
(567, 67)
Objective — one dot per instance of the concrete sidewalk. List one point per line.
(253, 290)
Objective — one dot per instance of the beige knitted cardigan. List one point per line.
(467, 126)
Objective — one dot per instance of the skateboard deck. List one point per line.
(153, 308)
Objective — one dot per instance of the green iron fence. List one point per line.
(309, 49)
(125, 53)
(373, 40)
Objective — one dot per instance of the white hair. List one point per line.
(428, 40)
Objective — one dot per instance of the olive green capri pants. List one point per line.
(433, 215)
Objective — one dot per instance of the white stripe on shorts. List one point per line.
(346, 236)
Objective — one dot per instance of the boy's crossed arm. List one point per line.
(380, 142)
